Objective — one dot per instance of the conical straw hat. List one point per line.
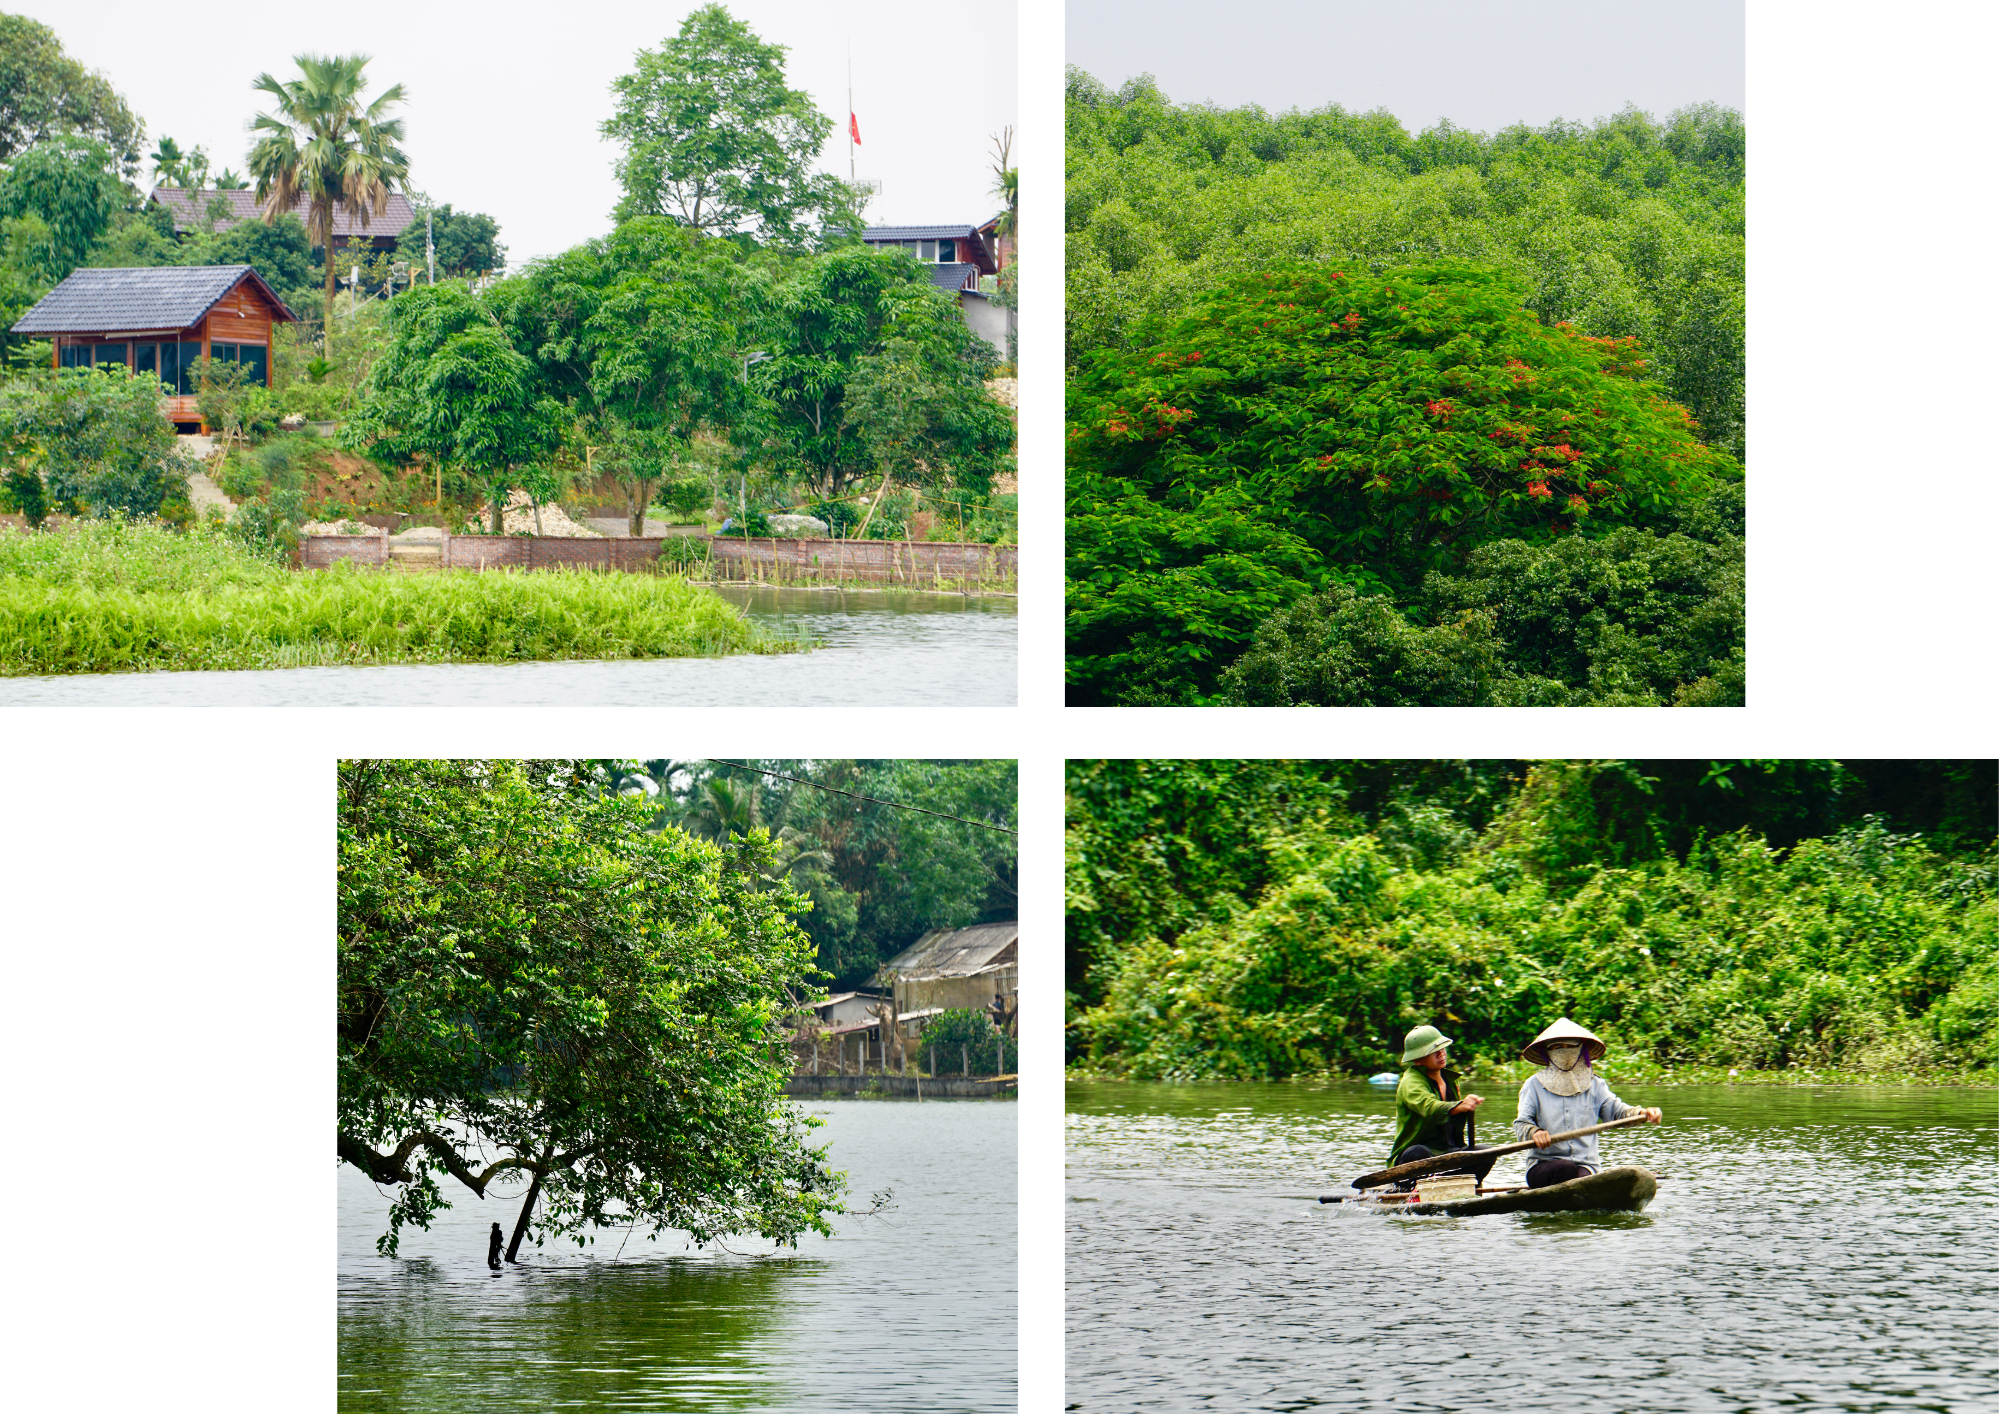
(1563, 1029)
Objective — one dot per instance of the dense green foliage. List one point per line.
(120, 597)
(1624, 227)
(966, 1043)
(1632, 620)
(96, 441)
(532, 984)
(44, 93)
(1311, 354)
(1309, 427)
(1245, 919)
(879, 876)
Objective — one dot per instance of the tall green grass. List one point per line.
(136, 598)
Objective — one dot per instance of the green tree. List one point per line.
(451, 389)
(827, 313)
(926, 421)
(324, 145)
(645, 332)
(44, 93)
(714, 139)
(1308, 425)
(532, 985)
(68, 184)
(98, 440)
(467, 243)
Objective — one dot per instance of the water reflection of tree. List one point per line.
(655, 1334)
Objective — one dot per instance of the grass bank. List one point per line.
(101, 598)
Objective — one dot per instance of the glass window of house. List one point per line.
(190, 357)
(75, 356)
(254, 361)
(106, 354)
(947, 252)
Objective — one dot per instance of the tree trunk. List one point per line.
(527, 1209)
(499, 505)
(639, 503)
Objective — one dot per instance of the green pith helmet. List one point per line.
(1422, 1041)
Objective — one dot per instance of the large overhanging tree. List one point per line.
(714, 139)
(531, 985)
(324, 144)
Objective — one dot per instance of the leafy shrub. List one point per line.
(686, 498)
(954, 1040)
(1632, 620)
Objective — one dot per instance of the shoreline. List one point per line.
(1959, 1080)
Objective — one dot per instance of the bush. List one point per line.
(955, 1040)
(686, 499)
(1632, 620)
(103, 448)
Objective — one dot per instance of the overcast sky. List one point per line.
(1484, 64)
(504, 103)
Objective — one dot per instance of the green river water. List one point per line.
(1811, 1248)
(910, 1311)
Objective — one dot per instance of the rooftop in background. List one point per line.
(959, 252)
(165, 297)
(957, 952)
(190, 208)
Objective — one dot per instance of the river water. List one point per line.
(882, 650)
(910, 1311)
(1810, 1249)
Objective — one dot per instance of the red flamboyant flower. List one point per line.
(1539, 488)
(1326, 461)
(1577, 503)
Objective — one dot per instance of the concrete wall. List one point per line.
(944, 1087)
(987, 319)
(974, 993)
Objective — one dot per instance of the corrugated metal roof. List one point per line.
(155, 297)
(920, 233)
(956, 952)
(190, 209)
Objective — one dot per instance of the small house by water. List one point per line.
(964, 969)
(162, 321)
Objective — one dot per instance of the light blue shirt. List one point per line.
(1558, 1114)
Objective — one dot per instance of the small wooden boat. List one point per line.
(1609, 1190)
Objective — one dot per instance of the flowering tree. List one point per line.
(1313, 424)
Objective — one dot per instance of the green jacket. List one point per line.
(1421, 1117)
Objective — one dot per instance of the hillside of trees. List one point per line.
(1262, 919)
(1314, 358)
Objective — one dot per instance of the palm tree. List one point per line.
(323, 145)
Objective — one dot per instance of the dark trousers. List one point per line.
(1544, 1172)
(1477, 1168)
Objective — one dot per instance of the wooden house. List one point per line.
(957, 256)
(190, 212)
(161, 321)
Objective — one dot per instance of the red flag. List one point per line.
(854, 128)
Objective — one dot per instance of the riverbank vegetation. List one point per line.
(1327, 377)
(1779, 919)
(100, 597)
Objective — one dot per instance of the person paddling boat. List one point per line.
(1432, 1115)
(1566, 1094)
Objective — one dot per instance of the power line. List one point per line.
(796, 780)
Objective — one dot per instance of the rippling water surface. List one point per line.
(1810, 1249)
(912, 1311)
(882, 650)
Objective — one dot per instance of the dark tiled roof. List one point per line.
(189, 208)
(158, 297)
(918, 233)
(955, 277)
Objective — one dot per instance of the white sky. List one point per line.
(504, 101)
(1482, 64)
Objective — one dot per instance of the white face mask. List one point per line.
(1563, 1056)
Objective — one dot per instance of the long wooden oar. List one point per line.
(1466, 1159)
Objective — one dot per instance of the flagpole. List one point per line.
(850, 115)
